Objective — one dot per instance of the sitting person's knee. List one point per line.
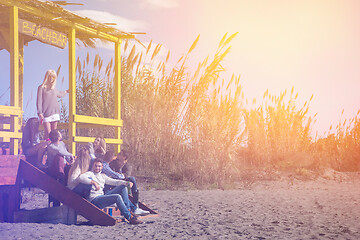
(131, 179)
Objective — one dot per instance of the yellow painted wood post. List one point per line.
(117, 90)
(21, 76)
(14, 75)
(72, 90)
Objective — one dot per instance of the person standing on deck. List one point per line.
(48, 108)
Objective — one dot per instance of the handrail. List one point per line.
(5, 128)
(91, 139)
(94, 122)
(98, 120)
(63, 125)
(4, 134)
(10, 110)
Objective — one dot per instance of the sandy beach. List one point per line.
(316, 209)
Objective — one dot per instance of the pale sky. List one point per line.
(311, 45)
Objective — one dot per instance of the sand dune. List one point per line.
(321, 209)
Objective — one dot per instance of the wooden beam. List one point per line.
(4, 140)
(14, 135)
(14, 57)
(117, 90)
(91, 139)
(21, 77)
(10, 110)
(78, 125)
(14, 74)
(97, 120)
(4, 126)
(72, 89)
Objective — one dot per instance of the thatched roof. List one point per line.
(51, 15)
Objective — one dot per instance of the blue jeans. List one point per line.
(118, 195)
(83, 190)
(134, 190)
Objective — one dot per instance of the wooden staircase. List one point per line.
(43, 181)
(14, 169)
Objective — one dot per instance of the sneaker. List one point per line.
(139, 211)
(133, 220)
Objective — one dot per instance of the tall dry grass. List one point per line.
(277, 130)
(341, 150)
(178, 123)
(194, 126)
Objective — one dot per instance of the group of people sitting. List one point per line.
(95, 174)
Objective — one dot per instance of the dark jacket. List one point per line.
(126, 169)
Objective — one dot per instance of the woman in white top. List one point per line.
(80, 166)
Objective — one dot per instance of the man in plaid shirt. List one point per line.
(109, 156)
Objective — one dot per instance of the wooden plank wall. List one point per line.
(62, 214)
(9, 165)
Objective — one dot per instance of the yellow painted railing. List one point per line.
(9, 133)
(82, 121)
(11, 111)
(97, 120)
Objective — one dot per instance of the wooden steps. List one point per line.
(14, 169)
(63, 194)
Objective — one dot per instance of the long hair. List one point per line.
(101, 149)
(82, 162)
(48, 75)
(32, 128)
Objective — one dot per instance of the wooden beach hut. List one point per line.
(22, 21)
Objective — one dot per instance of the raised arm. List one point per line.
(109, 172)
(59, 149)
(39, 102)
(61, 94)
(114, 182)
(63, 150)
(86, 178)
